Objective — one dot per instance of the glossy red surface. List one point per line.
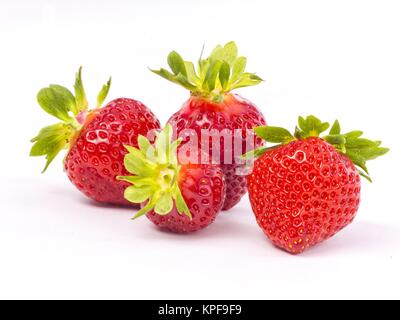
(303, 193)
(234, 113)
(96, 158)
(203, 189)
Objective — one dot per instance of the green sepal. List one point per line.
(210, 80)
(136, 162)
(224, 75)
(180, 203)
(254, 154)
(80, 95)
(137, 194)
(216, 75)
(146, 148)
(353, 134)
(61, 103)
(155, 172)
(138, 181)
(238, 68)
(164, 205)
(338, 140)
(364, 175)
(51, 140)
(147, 208)
(177, 79)
(57, 101)
(102, 96)
(335, 130)
(247, 80)
(274, 134)
(162, 145)
(358, 149)
(228, 53)
(177, 64)
(192, 76)
(310, 127)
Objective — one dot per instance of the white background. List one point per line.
(335, 59)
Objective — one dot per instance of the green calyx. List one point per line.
(359, 150)
(61, 103)
(220, 73)
(155, 170)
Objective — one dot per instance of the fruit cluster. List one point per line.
(303, 188)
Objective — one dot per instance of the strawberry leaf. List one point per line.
(230, 53)
(239, 66)
(80, 95)
(164, 205)
(274, 134)
(147, 208)
(358, 149)
(103, 93)
(247, 80)
(146, 148)
(50, 141)
(155, 179)
(216, 75)
(177, 79)
(191, 73)
(57, 101)
(311, 127)
(181, 205)
(353, 135)
(137, 194)
(364, 175)
(254, 154)
(138, 164)
(177, 64)
(224, 74)
(211, 76)
(335, 130)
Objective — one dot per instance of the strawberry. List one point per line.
(174, 193)
(213, 111)
(94, 138)
(305, 189)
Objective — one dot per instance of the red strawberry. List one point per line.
(95, 139)
(306, 189)
(175, 194)
(213, 109)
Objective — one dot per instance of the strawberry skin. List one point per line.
(213, 107)
(305, 189)
(303, 193)
(234, 113)
(174, 193)
(95, 138)
(96, 158)
(203, 190)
